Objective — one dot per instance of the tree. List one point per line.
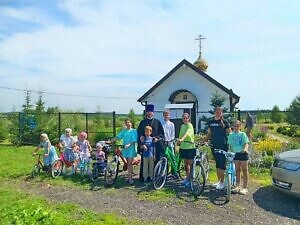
(276, 116)
(27, 106)
(294, 111)
(131, 115)
(216, 100)
(40, 104)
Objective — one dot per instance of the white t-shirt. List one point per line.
(67, 141)
(169, 130)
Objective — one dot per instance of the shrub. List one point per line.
(258, 134)
(269, 146)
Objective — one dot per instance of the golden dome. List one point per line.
(201, 64)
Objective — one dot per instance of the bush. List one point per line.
(290, 131)
(259, 134)
(268, 146)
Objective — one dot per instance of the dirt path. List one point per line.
(261, 206)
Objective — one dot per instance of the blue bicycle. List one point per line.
(230, 174)
(84, 164)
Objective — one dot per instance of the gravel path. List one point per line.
(263, 205)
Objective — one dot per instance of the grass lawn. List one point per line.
(18, 207)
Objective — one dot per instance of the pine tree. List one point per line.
(216, 100)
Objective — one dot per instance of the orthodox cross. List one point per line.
(200, 38)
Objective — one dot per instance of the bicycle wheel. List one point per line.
(94, 175)
(111, 172)
(228, 187)
(181, 169)
(205, 164)
(197, 178)
(160, 173)
(36, 170)
(57, 168)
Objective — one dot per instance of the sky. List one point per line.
(102, 55)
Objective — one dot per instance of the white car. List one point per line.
(286, 172)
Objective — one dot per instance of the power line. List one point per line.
(65, 94)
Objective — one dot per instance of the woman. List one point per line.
(218, 130)
(187, 149)
(129, 136)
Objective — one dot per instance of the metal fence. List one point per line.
(25, 128)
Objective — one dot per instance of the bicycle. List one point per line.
(230, 174)
(112, 167)
(98, 168)
(61, 162)
(199, 172)
(161, 169)
(39, 166)
(83, 164)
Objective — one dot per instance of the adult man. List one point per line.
(218, 130)
(157, 131)
(249, 125)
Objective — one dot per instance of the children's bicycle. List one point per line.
(199, 172)
(84, 163)
(61, 162)
(39, 166)
(98, 168)
(112, 167)
(230, 174)
(161, 169)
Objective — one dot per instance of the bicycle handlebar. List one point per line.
(228, 155)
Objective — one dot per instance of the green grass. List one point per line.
(15, 162)
(17, 207)
(162, 195)
(260, 177)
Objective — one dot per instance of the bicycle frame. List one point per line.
(230, 174)
(174, 162)
(38, 166)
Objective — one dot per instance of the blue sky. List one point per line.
(117, 50)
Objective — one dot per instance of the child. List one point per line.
(100, 163)
(187, 149)
(49, 151)
(148, 147)
(84, 149)
(100, 154)
(67, 145)
(238, 143)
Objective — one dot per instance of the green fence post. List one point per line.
(114, 123)
(59, 124)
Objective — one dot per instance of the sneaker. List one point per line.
(220, 186)
(244, 191)
(236, 189)
(187, 184)
(185, 181)
(216, 184)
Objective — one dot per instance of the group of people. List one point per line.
(74, 148)
(147, 141)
